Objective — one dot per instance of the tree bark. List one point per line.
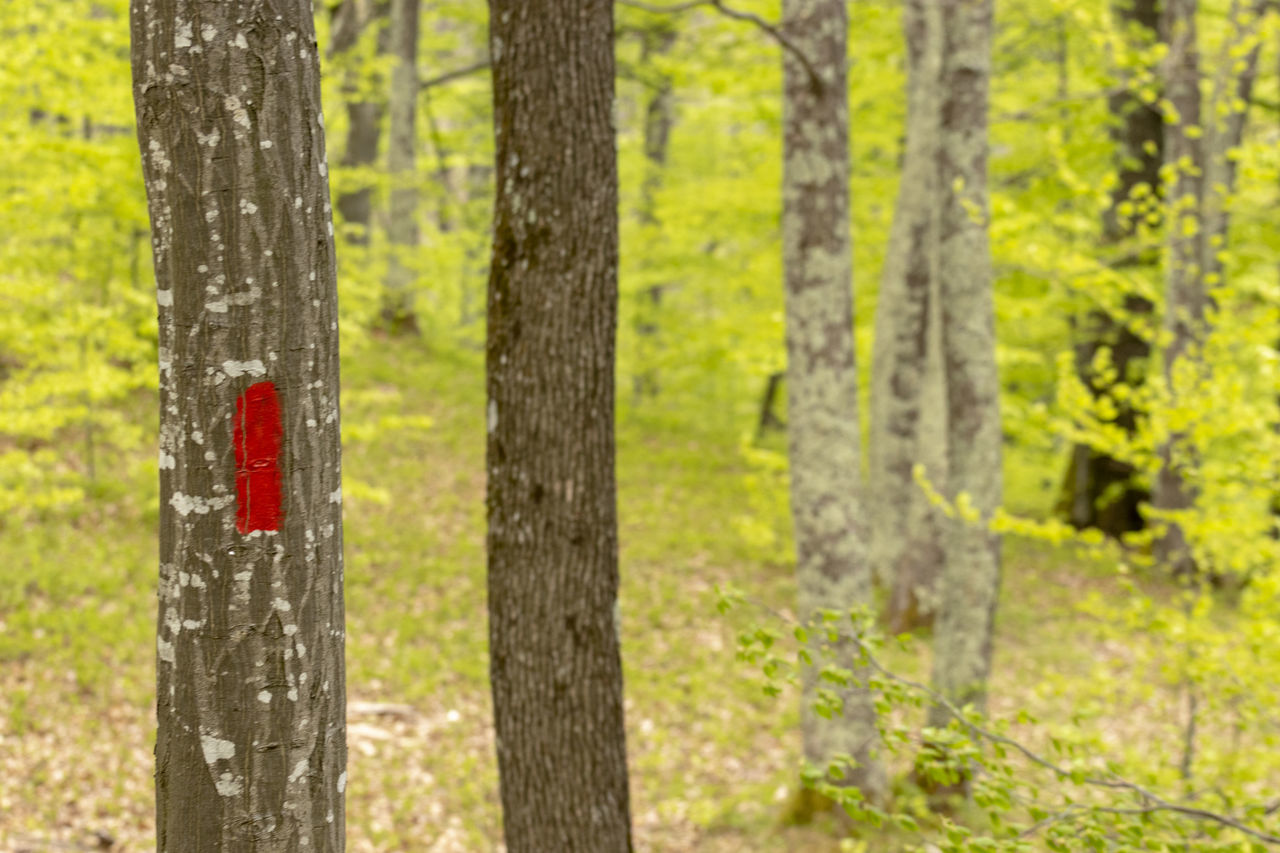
(398, 310)
(822, 394)
(364, 115)
(1185, 299)
(250, 752)
(908, 403)
(1138, 134)
(552, 537)
(971, 579)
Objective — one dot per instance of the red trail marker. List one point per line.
(258, 437)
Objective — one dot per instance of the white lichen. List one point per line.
(254, 367)
(216, 748)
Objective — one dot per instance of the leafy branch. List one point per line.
(1153, 802)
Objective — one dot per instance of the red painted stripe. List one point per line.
(258, 438)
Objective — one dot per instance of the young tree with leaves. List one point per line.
(822, 386)
(555, 665)
(1100, 490)
(1185, 296)
(251, 751)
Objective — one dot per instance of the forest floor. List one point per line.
(713, 758)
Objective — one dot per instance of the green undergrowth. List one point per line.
(714, 757)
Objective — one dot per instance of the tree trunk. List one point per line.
(250, 753)
(555, 664)
(398, 310)
(1185, 298)
(971, 579)
(822, 393)
(1138, 134)
(364, 116)
(1224, 131)
(907, 393)
(659, 116)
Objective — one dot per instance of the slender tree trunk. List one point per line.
(908, 401)
(971, 580)
(250, 753)
(822, 393)
(1138, 134)
(553, 549)
(1224, 131)
(1185, 299)
(364, 115)
(659, 116)
(398, 310)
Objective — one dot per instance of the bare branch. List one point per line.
(450, 76)
(815, 79)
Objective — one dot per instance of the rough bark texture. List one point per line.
(971, 580)
(402, 229)
(364, 115)
(908, 417)
(822, 394)
(553, 550)
(1099, 490)
(1185, 299)
(250, 754)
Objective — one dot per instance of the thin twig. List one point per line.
(450, 76)
(815, 79)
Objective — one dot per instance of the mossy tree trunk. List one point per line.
(822, 393)
(250, 752)
(908, 403)
(971, 573)
(555, 664)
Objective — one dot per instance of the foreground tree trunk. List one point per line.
(1138, 134)
(822, 392)
(1185, 299)
(250, 752)
(971, 580)
(908, 403)
(555, 664)
(398, 310)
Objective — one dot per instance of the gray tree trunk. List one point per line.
(250, 752)
(1138, 135)
(971, 579)
(1185, 298)
(822, 390)
(364, 114)
(908, 397)
(398, 310)
(555, 664)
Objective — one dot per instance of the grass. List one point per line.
(713, 759)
